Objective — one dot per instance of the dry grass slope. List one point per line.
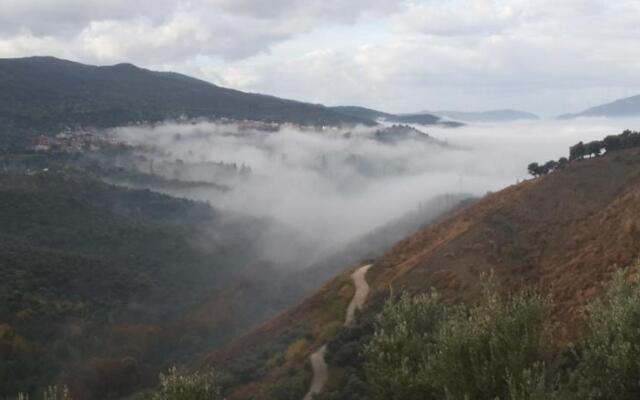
(565, 233)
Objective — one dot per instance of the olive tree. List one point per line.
(497, 349)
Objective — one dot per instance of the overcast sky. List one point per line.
(544, 56)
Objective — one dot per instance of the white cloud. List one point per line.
(458, 17)
(150, 32)
(550, 56)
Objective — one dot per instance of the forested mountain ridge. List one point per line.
(42, 95)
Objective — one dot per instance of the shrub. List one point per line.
(296, 351)
(497, 349)
(292, 387)
(50, 393)
(608, 358)
(195, 386)
(403, 341)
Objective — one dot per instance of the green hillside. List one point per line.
(93, 274)
(45, 94)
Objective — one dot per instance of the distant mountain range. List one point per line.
(488, 116)
(375, 115)
(44, 94)
(627, 107)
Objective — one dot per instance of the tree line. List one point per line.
(626, 140)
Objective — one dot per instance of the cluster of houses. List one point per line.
(74, 142)
(247, 124)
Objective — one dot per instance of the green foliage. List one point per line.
(594, 148)
(296, 351)
(44, 95)
(354, 388)
(293, 387)
(500, 349)
(534, 169)
(194, 386)
(577, 151)
(400, 353)
(50, 393)
(255, 362)
(626, 140)
(424, 349)
(608, 364)
(550, 166)
(493, 349)
(345, 355)
(89, 270)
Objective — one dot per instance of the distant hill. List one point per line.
(566, 233)
(627, 107)
(488, 116)
(397, 133)
(374, 115)
(45, 94)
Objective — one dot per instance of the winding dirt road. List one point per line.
(320, 372)
(362, 290)
(318, 364)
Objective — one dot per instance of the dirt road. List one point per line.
(320, 373)
(362, 290)
(318, 364)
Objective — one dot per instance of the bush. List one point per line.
(608, 358)
(196, 386)
(293, 387)
(51, 393)
(424, 349)
(398, 356)
(495, 350)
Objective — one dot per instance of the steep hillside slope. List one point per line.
(271, 362)
(565, 233)
(92, 274)
(377, 242)
(45, 94)
(627, 107)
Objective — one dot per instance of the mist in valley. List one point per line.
(326, 188)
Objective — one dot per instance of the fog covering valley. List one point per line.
(328, 187)
(319, 200)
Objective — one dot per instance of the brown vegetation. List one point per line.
(565, 233)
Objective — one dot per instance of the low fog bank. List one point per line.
(332, 186)
(380, 240)
(504, 150)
